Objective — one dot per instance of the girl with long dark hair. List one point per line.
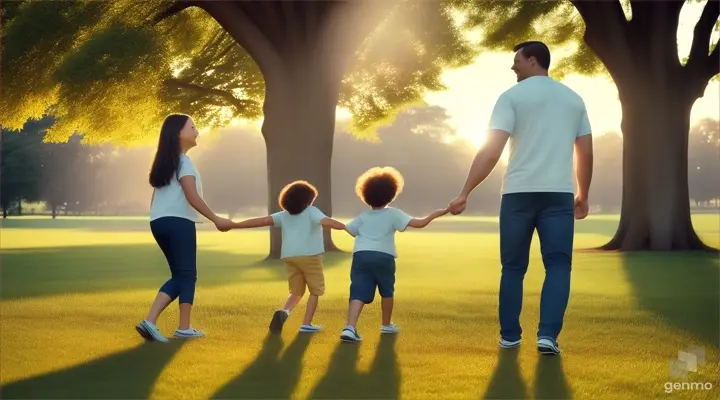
(176, 202)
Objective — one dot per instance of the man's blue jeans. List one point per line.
(552, 214)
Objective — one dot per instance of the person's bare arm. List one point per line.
(485, 160)
(188, 185)
(254, 223)
(332, 224)
(423, 222)
(584, 168)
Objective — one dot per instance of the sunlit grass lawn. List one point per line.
(72, 290)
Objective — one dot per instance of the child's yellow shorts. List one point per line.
(305, 271)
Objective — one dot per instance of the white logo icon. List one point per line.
(687, 361)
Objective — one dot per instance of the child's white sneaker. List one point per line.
(188, 333)
(389, 328)
(310, 328)
(350, 335)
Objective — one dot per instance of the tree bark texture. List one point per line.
(298, 130)
(655, 201)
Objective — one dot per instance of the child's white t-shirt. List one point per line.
(374, 230)
(302, 234)
(170, 200)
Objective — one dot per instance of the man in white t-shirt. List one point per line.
(544, 122)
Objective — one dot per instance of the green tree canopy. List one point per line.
(113, 70)
(562, 24)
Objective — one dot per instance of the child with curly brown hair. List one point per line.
(302, 248)
(374, 253)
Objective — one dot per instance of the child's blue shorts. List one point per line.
(371, 269)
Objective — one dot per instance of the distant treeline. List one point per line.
(78, 179)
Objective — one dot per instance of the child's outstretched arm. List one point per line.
(325, 221)
(328, 222)
(254, 223)
(423, 222)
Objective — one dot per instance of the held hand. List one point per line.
(581, 207)
(223, 224)
(439, 213)
(457, 206)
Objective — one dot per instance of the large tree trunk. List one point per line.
(657, 94)
(298, 129)
(655, 212)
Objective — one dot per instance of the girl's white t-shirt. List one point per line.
(170, 200)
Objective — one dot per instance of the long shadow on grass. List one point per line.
(270, 376)
(129, 374)
(550, 380)
(507, 381)
(87, 269)
(343, 381)
(681, 288)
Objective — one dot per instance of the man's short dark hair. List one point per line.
(297, 196)
(536, 49)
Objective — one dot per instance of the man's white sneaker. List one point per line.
(390, 328)
(506, 344)
(548, 347)
(188, 333)
(310, 328)
(149, 331)
(350, 335)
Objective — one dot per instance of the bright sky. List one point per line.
(472, 90)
